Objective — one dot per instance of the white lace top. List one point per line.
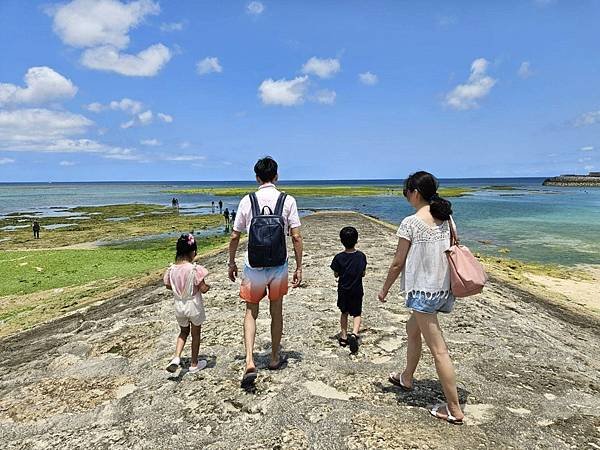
(426, 269)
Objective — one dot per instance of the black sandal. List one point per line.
(343, 342)
(280, 364)
(353, 342)
(249, 377)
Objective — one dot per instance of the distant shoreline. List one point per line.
(296, 182)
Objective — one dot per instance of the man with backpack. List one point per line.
(267, 216)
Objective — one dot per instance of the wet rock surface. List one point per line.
(96, 378)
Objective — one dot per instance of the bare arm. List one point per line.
(233, 246)
(298, 248)
(204, 287)
(396, 267)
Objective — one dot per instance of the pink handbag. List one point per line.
(467, 275)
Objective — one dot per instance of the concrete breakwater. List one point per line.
(591, 180)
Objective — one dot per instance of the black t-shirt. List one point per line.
(350, 267)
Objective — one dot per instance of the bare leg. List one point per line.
(344, 325)
(250, 332)
(432, 333)
(195, 343)
(356, 327)
(184, 332)
(413, 350)
(276, 309)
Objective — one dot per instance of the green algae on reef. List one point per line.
(319, 191)
(97, 223)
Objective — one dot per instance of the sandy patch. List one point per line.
(580, 292)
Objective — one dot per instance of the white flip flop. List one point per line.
(449, 417)
(201, 365)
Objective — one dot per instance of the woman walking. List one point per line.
(420, 257)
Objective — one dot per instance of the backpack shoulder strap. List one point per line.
(254, 203)
(280, 202)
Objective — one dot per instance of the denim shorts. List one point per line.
(432, 304)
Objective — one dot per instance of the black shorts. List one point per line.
(350, 303)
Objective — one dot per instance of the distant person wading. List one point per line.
(36, 229)
(266, 265)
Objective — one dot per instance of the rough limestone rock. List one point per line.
(529, 375)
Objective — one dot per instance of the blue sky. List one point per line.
(198, 90)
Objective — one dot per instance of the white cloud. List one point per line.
(6, 161)
(151, 142)
(42, 84)
(30, 127)
(128, 124)
(133, 108)
(368, 78)
(283, 92)
(102, 28)
(165, 117)
(588, 148)
(66, 163)
(589, 167)
(173, 26)
(185, 144)
(183, 158)
(209, 65)
(323, 68)
(146, 63)
(47, 131)
(479, 85)
(255, 8)
(325, 96)
(93, 23)
(95, 107)
(126, 104)
(525, 70)
(146, 117)
(588, 118)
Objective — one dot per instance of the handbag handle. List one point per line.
(453, 233)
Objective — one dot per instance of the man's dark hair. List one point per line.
(266, 169)
(349, 237)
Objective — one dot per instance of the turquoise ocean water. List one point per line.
(536, 223)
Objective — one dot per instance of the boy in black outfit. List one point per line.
(349, 268)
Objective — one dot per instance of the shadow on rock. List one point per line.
(262, 360)
(425, 393)
(211, 362)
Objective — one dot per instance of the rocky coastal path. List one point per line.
(529, 376)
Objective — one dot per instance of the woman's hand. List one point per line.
(297, 278)
(382, 295)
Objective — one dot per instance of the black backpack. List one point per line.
(266, 237)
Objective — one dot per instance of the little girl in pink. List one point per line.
(187, 281)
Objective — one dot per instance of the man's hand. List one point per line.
(297, 278)
(382, 295)
(233, 271)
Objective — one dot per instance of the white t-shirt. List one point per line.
(426, 269)
(267, 195)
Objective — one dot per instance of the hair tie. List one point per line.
(434, 197)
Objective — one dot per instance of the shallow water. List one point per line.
(533, 222)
